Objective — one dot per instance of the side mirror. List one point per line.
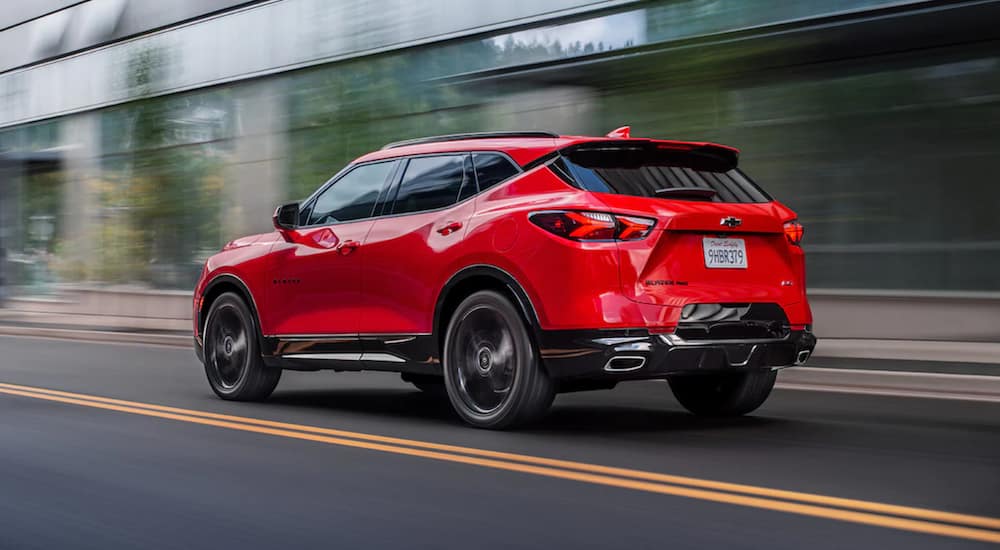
(286, 216)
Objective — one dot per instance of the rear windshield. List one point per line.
(643, 175)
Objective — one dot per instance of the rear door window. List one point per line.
(493, 168)
(434, 182)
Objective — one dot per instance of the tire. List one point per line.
(492, 372)
(233, 364)
(723, 395)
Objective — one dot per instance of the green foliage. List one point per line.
(161, 195)
(41, 203)
(343, 111)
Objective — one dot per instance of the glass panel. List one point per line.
(883, 158)
(32, 201)
(340, 112)
(163, 172)
(430, 183)
(886, 158)
(271, 36)
(492, 169)
(353, 196)
(627, 172)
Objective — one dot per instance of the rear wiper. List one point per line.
(697, 193)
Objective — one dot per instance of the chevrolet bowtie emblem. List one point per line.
(731, 221)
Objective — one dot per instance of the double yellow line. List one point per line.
(906, 518)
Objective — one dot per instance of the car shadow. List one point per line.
(402, 403)
(564, 418)
(611, 420)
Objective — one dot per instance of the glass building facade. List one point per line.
(878, 121)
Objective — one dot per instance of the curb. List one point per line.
(964, 387)
(909, 350)
(104, 337)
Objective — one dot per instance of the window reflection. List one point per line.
(883, 158)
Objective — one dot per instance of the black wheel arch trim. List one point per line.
(229, 278)
(523, 302)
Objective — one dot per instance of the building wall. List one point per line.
(262, 38)
(178, 141)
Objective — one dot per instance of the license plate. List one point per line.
(724, 253)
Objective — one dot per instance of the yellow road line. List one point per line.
(921, 513)
(255, 426)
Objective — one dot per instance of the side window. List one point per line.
(432, 182)
(353, 196)
(492, 169)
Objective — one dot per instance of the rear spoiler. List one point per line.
(636, 152)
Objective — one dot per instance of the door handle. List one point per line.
(450, 228)
(347, 247)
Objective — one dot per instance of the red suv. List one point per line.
(504, 268)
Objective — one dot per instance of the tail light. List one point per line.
(794, 231)
(593, 226)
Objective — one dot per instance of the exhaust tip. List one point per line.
(802, 356)
(624, 363)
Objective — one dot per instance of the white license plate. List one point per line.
(724, 253)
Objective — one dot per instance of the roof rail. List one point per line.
(472, 135)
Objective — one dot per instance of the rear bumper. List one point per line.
(636, 355)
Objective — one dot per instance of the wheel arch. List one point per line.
(473, 279)
(218, 286)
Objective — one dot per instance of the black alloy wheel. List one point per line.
(233, 363)
(493, 376)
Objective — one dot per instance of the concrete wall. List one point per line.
(258, 165)
(967, 317)
(81, 157)
(840, 315)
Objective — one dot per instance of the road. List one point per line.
(633, 471)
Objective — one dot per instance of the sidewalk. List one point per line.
(909, 350)
(167, 330)
(901, 368)
(179, 339)
(901, 361)
(931, 385)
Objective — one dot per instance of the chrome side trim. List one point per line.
(393, 334)
(345, 336)
(378, 356)
(314, 337)
(745, 362)
(675, 340)
(400, 340)
(620, 340)
(384, 357)
(635, 346)
(324, 356)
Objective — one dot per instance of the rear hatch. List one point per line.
(718, 237)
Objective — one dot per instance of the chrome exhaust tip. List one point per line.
(625, 363)
(802, 356)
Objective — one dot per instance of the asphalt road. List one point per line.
(78, 472)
